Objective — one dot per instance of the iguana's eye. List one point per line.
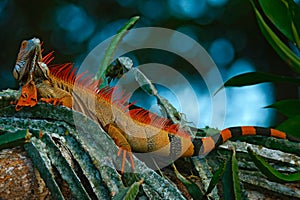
(24, 44)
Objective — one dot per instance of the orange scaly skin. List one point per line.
(132, 129)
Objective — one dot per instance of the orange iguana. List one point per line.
(132, 129)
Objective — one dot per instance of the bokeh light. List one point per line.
(222, 51)
(187, 9)
(228, 30)
(153, 9)
(75, 21)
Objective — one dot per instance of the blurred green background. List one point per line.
(227, 29)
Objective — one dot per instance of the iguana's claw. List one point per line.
(53, 101)
(64, 101)
(125, 152)
(124, 147)
(13, 102)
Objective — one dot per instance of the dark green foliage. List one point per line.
(216, 177)
(40, 159)
(61, 163)
(289, 107)
(283, 16)
(270, 172)
(13, 138)
(252, 78)
(230, 180)
(291, 126)
(193, 188)
(129, 193)
(275, 14)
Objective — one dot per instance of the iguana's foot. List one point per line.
(14, 102)
(129, 154)
(53, 101)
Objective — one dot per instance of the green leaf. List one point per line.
(235, 176)
(279, 13)
(269, 171)
(192, 187)
(289, 107)
(252, 78)
(38, 154)
(107, 59)
(13, 138)
(279, 46)
(60, 161)
(291, 126)
(86, 164)
(230, 180)
(129, 193)
(216, 177)
(295, 24)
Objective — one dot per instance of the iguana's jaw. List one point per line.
(28, 57)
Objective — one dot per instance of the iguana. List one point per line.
(133, 129)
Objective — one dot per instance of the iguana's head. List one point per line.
(28, 58)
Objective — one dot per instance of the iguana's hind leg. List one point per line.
(119, 137)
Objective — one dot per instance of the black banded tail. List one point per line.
(202, 146)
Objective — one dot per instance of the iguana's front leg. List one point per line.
(53, 95)
(28, 96)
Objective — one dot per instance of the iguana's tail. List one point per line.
(202, 146)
